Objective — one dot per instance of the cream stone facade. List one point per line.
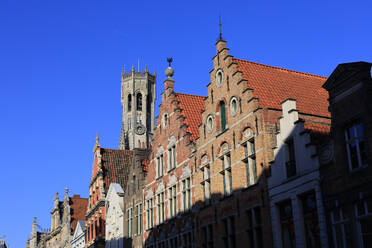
(297, 211)
(114, 216)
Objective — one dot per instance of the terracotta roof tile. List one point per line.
(192, 106)
(272, 85)
(116, 165)
(78, 208)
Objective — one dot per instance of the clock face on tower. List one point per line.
(140, 129)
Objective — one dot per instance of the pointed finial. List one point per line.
(169, 71)
(170, 60)
(34, 220)
(132, 67)
(220, 24)
(154, 72)
(66, 190)
(138, 65)
(146, 68)
(97, 139)
(122, 71)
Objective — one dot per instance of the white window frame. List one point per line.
(226, 173)
(172, 201)
(186, 193)
(356, 139)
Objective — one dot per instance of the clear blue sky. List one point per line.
(60, 65)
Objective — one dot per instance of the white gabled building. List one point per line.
(78, 240)
(115, 216)
(297, 212)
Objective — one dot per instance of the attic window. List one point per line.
(165, 120)
(219, 78)
(233, 106)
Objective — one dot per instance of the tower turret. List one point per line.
(138, 92)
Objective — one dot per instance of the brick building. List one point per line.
(168, 216)
(234, 150)
(347, 179)
(109, 166)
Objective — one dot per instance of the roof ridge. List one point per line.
(283, 69)
(178, 93)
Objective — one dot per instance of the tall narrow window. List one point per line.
(130, 218)
(223, 115)
(172, 201)
(160, 165)
(134, 184)
(310, 215)
(226, 173)
(172, 158)
(287, 225)
(129, 102)
(364, 215)
(291, 158)
(341, 228)
(207, 234)
(149, 213)
(186, 193)
(139, 102)
(229, 232)
(355, 145)
(138, 219)
(161, 209)
(250, 162)
(254, 229)
(206, 183)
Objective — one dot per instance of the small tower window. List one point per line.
(219, 78)
(129, 102)
(139, 102)
(223, 115)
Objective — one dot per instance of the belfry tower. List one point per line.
(138, 92)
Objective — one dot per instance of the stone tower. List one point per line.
(138, 92)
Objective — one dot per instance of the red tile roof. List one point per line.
(78, 208)
(191, 106)
(116, 166)
(272, 85)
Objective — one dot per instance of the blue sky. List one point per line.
(60, 66)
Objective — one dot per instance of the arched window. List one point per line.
(129, 102)
(223, 115)
(139, 101)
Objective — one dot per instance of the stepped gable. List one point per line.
(273, 84)
(78, 208)
(116, 164)
(192, 106)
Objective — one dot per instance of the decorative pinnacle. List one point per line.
(34, 220)
(122, 70)
(66, 190)
(97, 139)
(170, 60)
(132, 67)
(146, 68)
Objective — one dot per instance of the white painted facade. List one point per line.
(115, 216)
(78, 240)
(293, 188)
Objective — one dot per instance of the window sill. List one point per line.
(221, 132)
(359, 168)
(159, 177)
(170, 170)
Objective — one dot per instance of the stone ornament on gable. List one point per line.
(160, 151)
(172, 180)
(160, 188)
(171, 141)
(204, 159)
(149, 194)
(326, 153)
(186, 172)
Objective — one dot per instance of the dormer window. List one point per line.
(209, 123)
(291, 158)
(355, 146)
(165, 120)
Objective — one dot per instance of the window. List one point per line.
(138, 219)
(160, 207)
(207, 235)
(229, 232)
(250, 162)
(172, 201)
(173, 242)
(186, 193)
(223, 115)
(210, 123)
(129, 102)
(134, 184)
(233, 106)
(355, 146)
(291, 159)
(254, 229)
(219, 78)
(165, 120)
(172, 162)
(363, 210)
(341, 228)
(206, 183)
(150, 213)
(187, 240)
(139, 102)
(310, 215)
(160, 165)
(129, 220)
(226, 173)
(287, 226)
